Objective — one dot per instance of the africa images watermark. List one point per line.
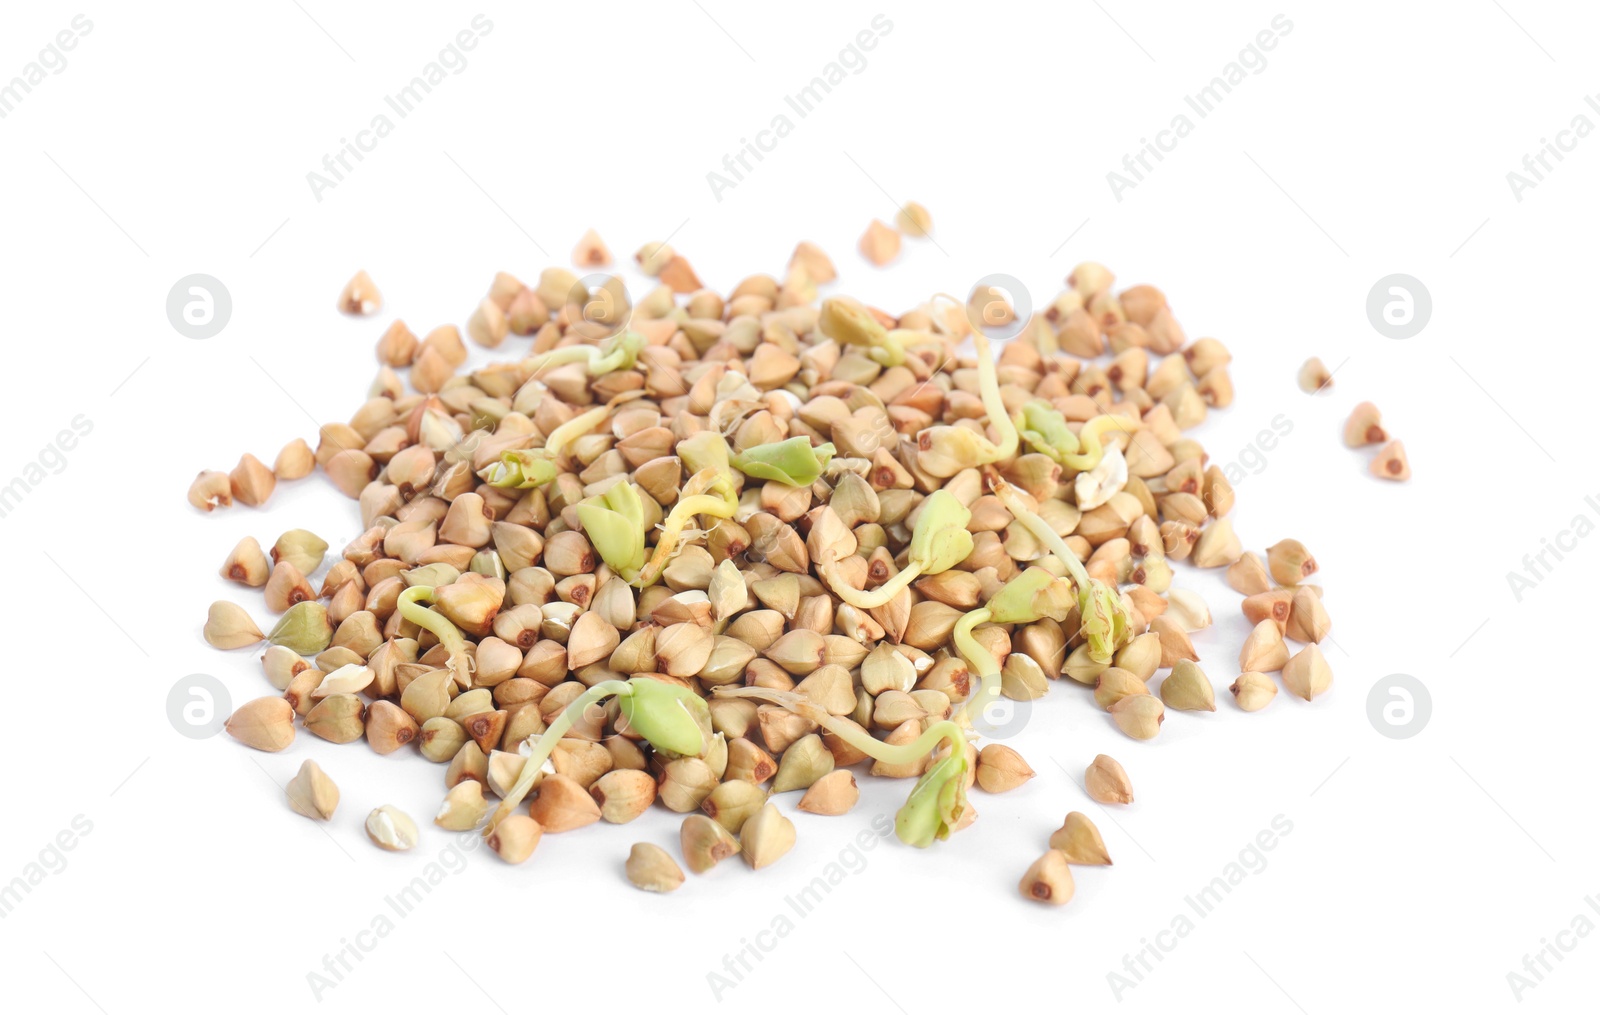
(52, 58)
(1251, 60)
(850, 860)
(1536, 567)
(449, 861)
(1537, 166)
(1252, 459)
(1252, 859)
(1551, 953)
(52, 859)
(851, 59)
(53, 457)
(452, 60)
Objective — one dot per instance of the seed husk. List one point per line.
(360, 296)
(281, 666)
(1217, 546)
(1307, 673)
(251, 482)
(652, 257)
(1274, 606)
(1264, 650)
(733, 802)
(389, 728)
(1022, 678)
(1391, 462)
(267, 724)
(1290, 562)
(880, 244)
(913, 219)
(311, 793)
(1048, 880)
(1188, 689)
(515, 838)
(1175, 642)
(623, 794)
(1107, 782)
(1308, 619)
(286, 586)
(338, 718)
(211, 490)
(651, 869)
(247, 564)
(833, 794)
(295, 461)
(562, 805)
(1248, 576)
(1365, 426)
(1314, 377)
(428, 695)
(1253, 691)
(1079, 841)
(1140, 657)
(1085, 670)
(1115, 684)
(391, 829)
(228, 626)
(1188, 609)
(766, 837)
(685, 784)
(705, 843)
(1139, 715)
(805, 761)
(469, 763)
(304, 628)
(1000, 768)
(464, 806)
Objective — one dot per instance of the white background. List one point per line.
(1376, 140)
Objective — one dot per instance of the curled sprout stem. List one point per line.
(574, 428)
(410, 606)
(980, 659)
(989, 391)
(621, 353)
(850, 733)
(1041, 531)
(547, 743)
(1091, 448)
(721, 504)
(873, 598)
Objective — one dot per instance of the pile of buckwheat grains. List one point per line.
(706, 552)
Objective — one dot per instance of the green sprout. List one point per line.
(531, 467)
(1101, 612)
(520, 470)
(672, 719)
(793, 462)
(702, 451)
(939, 542)
(410, 606)
(1032, 595)
(937, 801)
(614, 522)
(849, 323)
(1046, 432)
